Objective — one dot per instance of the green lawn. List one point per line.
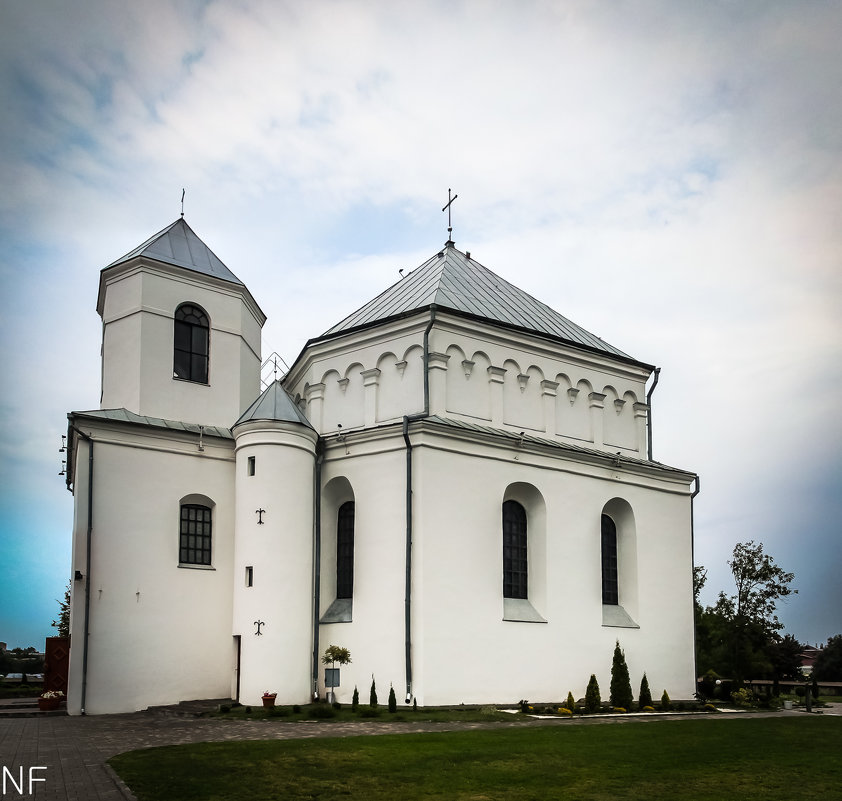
(756, 758)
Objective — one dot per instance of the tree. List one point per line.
(828, 664)
(621, 692)
(592, 698)
(393, 702)
(63, 622)
(334, 654)
(760, 585)
(645, 697)
(372, 695)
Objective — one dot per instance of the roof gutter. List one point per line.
(649, 413)
(408, 584)
(695, 492)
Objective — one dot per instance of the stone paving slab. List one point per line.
(74, 749)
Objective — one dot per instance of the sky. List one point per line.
(666, 174)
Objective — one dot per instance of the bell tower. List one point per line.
(181, 333)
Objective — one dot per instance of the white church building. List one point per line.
(454, 482)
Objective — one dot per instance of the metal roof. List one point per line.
(451, 422)
(178, 244)
(453, 280)
(274, 404)
(125, 416)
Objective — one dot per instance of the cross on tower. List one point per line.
(447, 208)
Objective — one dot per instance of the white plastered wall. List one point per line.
(159, 633)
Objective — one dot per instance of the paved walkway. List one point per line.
(74, 749)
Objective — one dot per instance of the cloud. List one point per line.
(667, 175)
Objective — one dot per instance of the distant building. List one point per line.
(452, 482)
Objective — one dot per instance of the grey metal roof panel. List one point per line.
(125, 416)
(276, 405)
(178, 244)
(452, 280)
(451, 422)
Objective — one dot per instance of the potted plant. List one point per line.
(269, 699)
(51, 699)
(335, 654)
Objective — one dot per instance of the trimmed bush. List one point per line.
(321, 711)
(592, 697)
(372, 695)
(570, 703)
(619, 709)
(666, 704)
(393, 702)
(296, 708)
(564, 711)
(621, 692)
(645, 697)
(355, 699)
(370, 712)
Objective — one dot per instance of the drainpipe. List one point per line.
(406, 421)
(317, 560)
(87, 565)
(649, 412)
(693, 566)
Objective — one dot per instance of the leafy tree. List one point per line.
(621, 692)
(738, 634)
(645, 697)
(592, 698)
(828, 664)
(63, 622)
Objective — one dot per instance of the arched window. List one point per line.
(194, 547)
(191, 340)
(515, 554)
(610, 587)
(345, 551)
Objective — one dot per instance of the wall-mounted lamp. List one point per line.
(77, 575)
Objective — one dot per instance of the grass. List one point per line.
(700, 759)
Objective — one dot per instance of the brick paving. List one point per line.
(74, 749)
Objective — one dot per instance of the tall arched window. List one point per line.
(610, 587)
(194, 535)
(515, 554)
(345, 551)
(191, 340)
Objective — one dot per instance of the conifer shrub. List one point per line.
(666, 704)
(414, 704)
(592, 697)
(644, 699)
(321, 711)
(355, 699)
(621, 692)
(296, 708)
(570, 703)
(393, 702)
(372, 695)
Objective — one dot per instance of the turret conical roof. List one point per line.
(274, 404)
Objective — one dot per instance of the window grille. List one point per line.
(515, 553)
(195, 535)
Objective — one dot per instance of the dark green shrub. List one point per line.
(248, 710)
(336, 705)
(321, 711)
(645, 696)
(225, 708)
(371, 712)
(279, 712)
(524, 705)
(621, 692)
(355, 699)
(799, 691)
(814, 688)
(666, 704)
(372, 695)
(414, 704)
(393, 702)
(570, 703)
(296, 708)
(592, 698)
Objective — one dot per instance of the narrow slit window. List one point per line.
(251, 465)
(515, 551)
(249, 576)
(610, 585)
(345, 551)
